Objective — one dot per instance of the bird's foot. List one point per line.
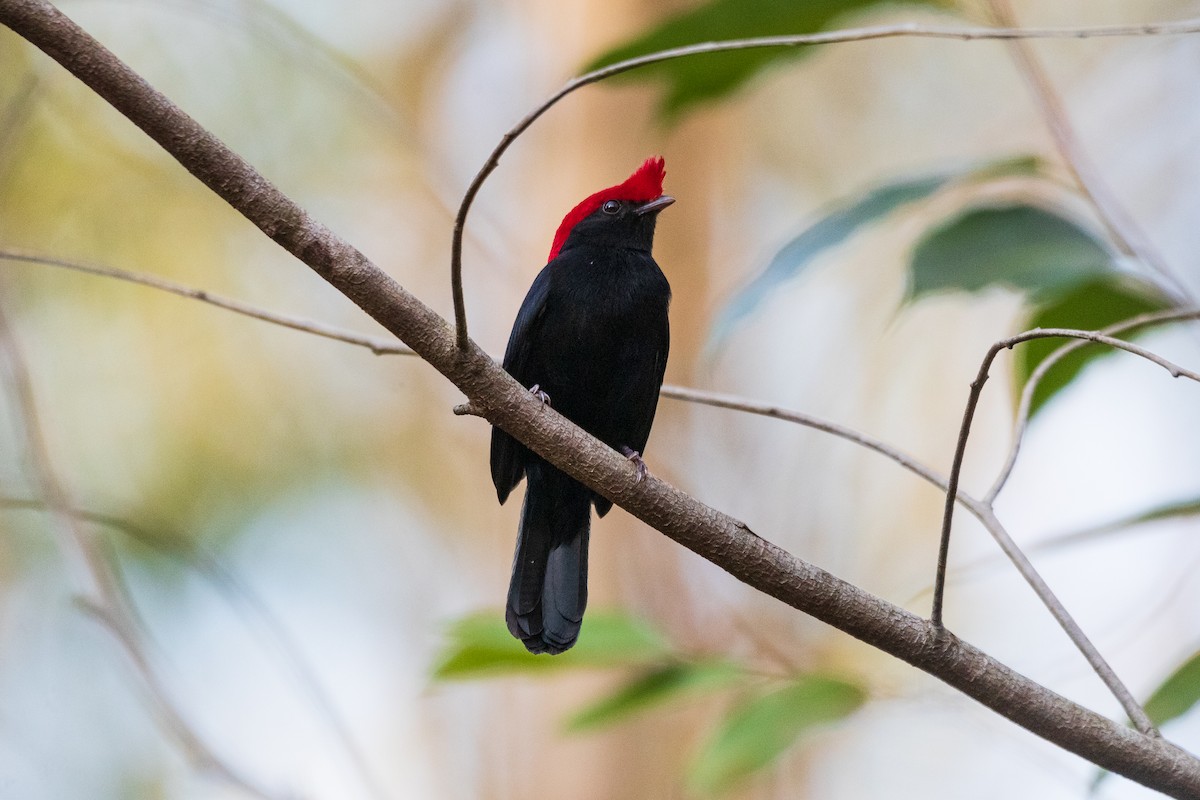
(536, 391)
(638, 463)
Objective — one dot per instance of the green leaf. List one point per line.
(759, 731)
(1178, 508)
(1181, 508)
(655, 687)
(480, 646)
(841, 222)
(1092, 305)
(696, 79)
(1177, 695)
(1022, 247)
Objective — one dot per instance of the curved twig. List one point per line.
(1035, 378)
(1174, 369)
(799, 40)
(376, 345)
(1135, 711)
(981, 510)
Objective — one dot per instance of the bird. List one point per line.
(591, 340)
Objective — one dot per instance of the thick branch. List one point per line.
(711, 534)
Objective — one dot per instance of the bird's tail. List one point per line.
(548, 591)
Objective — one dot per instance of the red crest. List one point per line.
(642, 186)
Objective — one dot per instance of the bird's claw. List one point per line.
(536, 391)
(638, 463)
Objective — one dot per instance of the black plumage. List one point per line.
(592, 334)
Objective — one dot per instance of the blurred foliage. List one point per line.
(1093, 305)
(1022, 247)
(1173, 698)
(1068, 277)
(704, 78)
(655, 686)
(842, 220)
(762, 728)
(768, 719)
(481, 646)
(1178, 694)
(221, 440)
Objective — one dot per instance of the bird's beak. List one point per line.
(655, 205)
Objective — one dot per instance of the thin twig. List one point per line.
(1035, 378)
(1025, 567)
(376, 345)
(1124, 231)
(981, 510)
(828, 37)
(723, 540)
(1175, 371)
(101, 591)
(736, 403)
(1136, 714)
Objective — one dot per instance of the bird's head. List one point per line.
(619, 216)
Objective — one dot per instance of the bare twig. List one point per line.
(1175, 371)
(736, 403)
(829, 37)
(1124, 231)
(717, 537)
(1075, 633)
(376, 345)
(1136, 714)
(980, 509)
(1035, 378)
(102, 594)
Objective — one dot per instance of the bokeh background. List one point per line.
(310, 518)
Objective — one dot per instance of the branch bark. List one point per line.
(723, 540)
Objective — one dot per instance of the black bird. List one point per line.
(591, 339)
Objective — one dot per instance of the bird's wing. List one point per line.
(644, 403)
(509, 455)
(647, 401)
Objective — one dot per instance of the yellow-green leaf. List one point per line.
(757, 732)
(1022, 247)
(479, 645)
(696, 79)
(1178, 694)
(1092, 305)
(654, 687)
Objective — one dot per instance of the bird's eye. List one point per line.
(611, 207)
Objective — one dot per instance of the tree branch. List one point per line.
(909, 29)
(375, 344)
(1035, 378)
(723, 540)
(982, 510)
(973, 396)
(1106, 673)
